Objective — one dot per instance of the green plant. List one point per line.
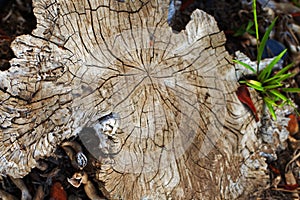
(245, 29)
(296, 3)
(270, 85)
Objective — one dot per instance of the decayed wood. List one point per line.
(182, 132)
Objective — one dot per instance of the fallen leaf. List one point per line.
(57, 192)
(293, 126)
(294, 143)
(291, 186)
(276, 181)
(274, 169)
(243, 95)
(291, 183)
(290, 174)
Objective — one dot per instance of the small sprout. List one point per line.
(270, 86)
(245, 29)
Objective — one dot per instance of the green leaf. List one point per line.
(273, 98)
(291, 90)
(263, 42)
(274, 62)
(282, 104)
(255, 85)
(277, 79)
(245, 65)
(265, 73)
(269, 100)
(268, 87)
(283, 70)
(254, 82)
(239, 32)
(270, 81)
(244, 29)
(279, 95)
(296, 111)
(255, 19)
(249, 26)
(284, 77)
(252, 32)
(269, 103)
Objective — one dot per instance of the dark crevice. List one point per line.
(223, 12)
(16, 19)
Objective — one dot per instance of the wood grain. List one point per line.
(183, 134)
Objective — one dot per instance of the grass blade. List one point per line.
(249, 26)
(263, 42)
(255, 85)
(284, 77)
(291, 90)
(245, 65)
(271, 110)
(269, 103)
(269, 100)
(254, 82)
(279, 95)
(268, 87)
(283, 70)
(270, 81)
(255, 19)
(282, 104)
(265, 73)
(277, 79)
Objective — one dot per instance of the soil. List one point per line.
(17, 18)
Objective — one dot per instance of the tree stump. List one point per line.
(179, 131)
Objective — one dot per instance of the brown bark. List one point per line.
(180, 131)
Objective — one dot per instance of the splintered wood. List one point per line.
(171, 126)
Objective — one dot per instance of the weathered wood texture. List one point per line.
(183, 134)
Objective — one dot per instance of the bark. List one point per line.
(171, 126)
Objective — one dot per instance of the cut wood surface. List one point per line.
(171, 126)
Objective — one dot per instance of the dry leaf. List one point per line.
(57, 192)
(276, 181)
(293, 126)
(244, 96)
